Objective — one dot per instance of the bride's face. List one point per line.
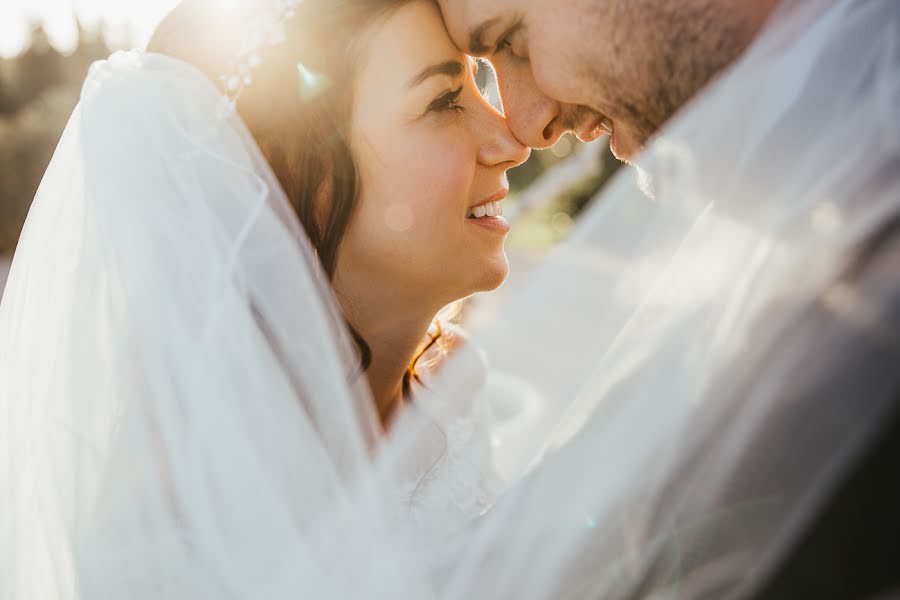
(428, 147)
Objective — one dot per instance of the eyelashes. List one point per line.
(450, 101)
(447, 102)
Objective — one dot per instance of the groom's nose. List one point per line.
(534, 118)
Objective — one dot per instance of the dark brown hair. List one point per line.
(303, 132)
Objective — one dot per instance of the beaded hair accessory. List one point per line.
(265, 28)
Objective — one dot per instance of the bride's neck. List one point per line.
(393, 326)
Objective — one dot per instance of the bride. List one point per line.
(175, 279)
(395, 166)
(393, 161)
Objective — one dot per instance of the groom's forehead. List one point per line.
(468, 21)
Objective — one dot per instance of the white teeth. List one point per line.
(491, 209)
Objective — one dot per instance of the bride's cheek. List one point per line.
(448, 167)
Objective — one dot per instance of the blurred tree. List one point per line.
(38, 91)
(8, 105)
(40, 67)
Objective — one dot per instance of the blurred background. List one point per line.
(46, 47)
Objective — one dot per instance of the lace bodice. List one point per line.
(446, 476)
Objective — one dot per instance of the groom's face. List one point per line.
(574, 64)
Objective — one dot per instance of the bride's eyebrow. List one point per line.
(452, 68)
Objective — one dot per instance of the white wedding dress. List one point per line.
(180, 415)
(448, 479)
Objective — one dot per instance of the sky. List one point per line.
(130, 22)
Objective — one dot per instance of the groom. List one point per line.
(589, 66)
(626, 67)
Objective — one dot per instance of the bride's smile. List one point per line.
(489, 212)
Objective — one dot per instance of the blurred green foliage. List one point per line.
(551, 221)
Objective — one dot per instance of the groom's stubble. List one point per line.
(660, 54)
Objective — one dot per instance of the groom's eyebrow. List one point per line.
(451, 68)
(476, 37)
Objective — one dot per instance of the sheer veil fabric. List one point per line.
(182, 415)
(179, 413)
(708, 362)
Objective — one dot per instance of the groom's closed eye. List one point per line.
(477, 45)
(478, 38)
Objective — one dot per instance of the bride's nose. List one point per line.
(498, 146)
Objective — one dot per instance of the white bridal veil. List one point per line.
(178, 417)
(182, 416)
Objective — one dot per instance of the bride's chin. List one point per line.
(475, 277)
(493, 274)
